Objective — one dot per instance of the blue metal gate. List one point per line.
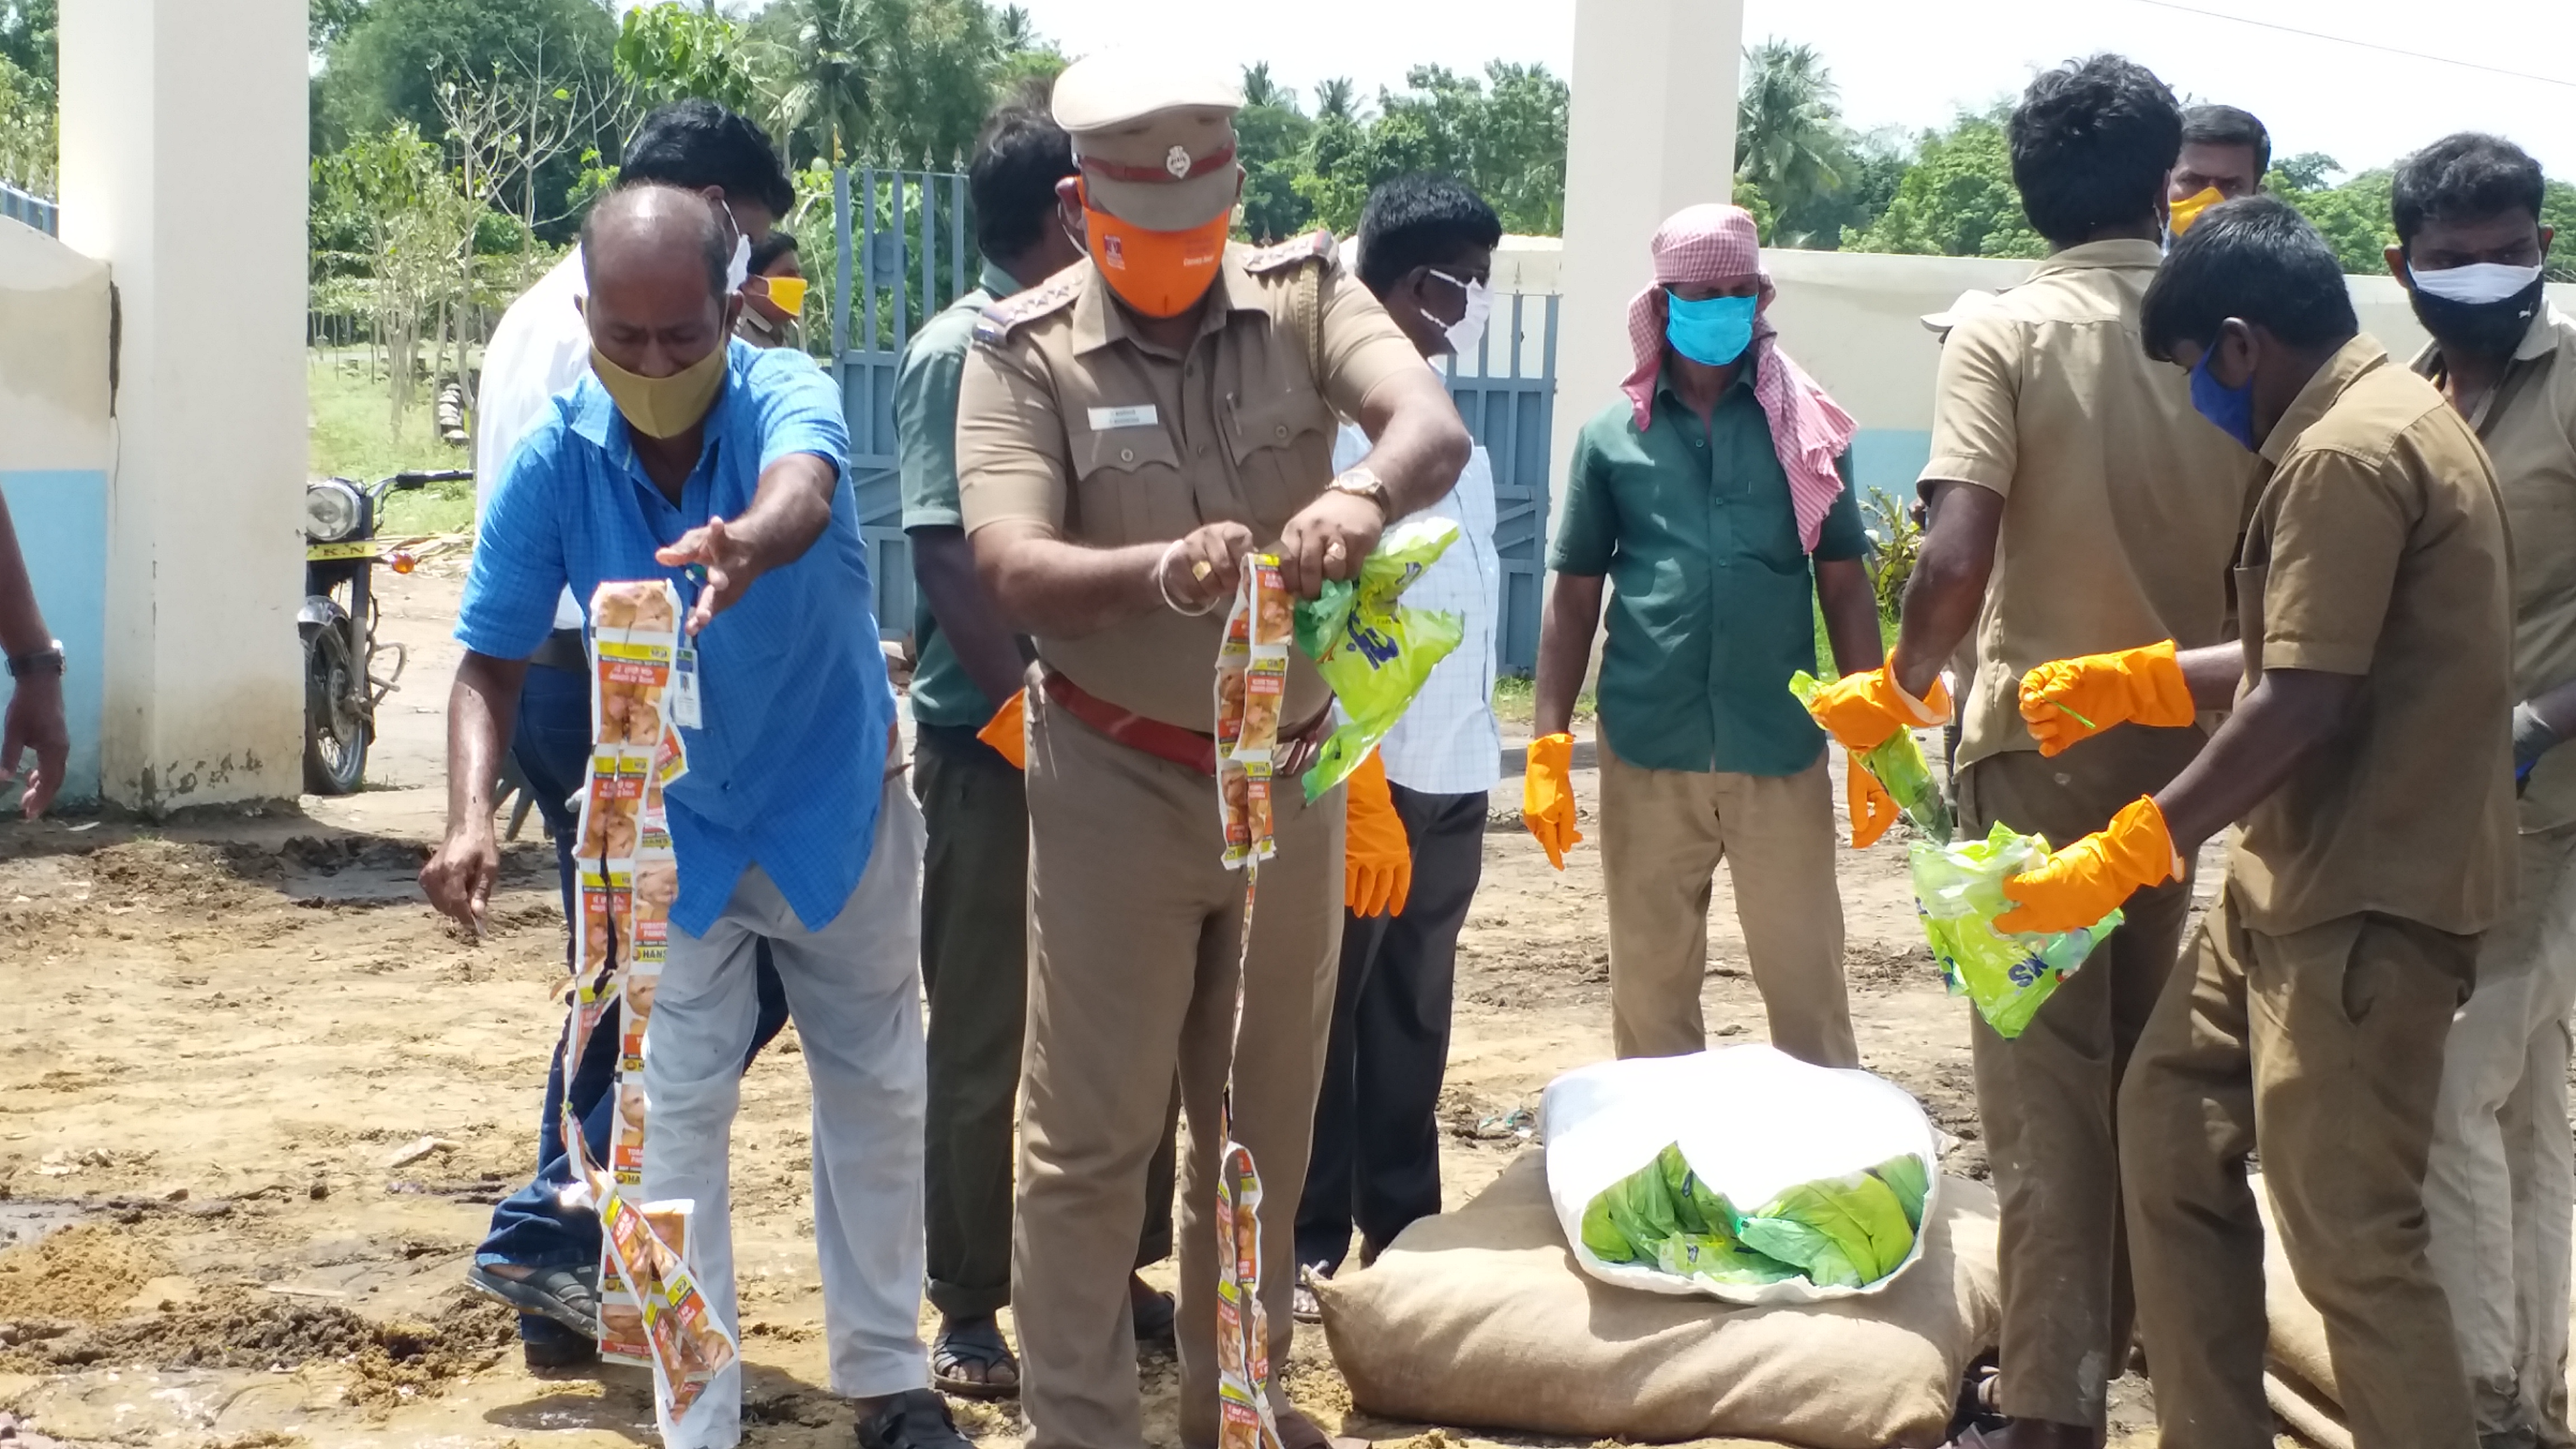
(35, 211)
(1509, 410)
(904, 249)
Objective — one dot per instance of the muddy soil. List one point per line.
(217, 1036)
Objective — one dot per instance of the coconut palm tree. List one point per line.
(1789, 135)
(828, 66)
(1260, 90)
(1336, 99)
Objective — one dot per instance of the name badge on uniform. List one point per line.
(1104, 419)
(684, 688)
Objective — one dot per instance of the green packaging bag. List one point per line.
(1900, 769)
(1844, 1232)
(1373, 652)
(1959, 891)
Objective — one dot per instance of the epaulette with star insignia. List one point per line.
(995, 324)
(1280, 256)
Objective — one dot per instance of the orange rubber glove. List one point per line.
(2074, 699)
(1863, 711)
(1547, 796)
(1872, 808)
(2075, 887)
(1377, 864)
(1008, 730)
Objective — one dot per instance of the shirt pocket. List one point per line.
(1283, 454)
(1128, 486)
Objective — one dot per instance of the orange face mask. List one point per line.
(1159, 273)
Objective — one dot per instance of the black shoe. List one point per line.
(913, 1419)
(569, 1296)
(559, 1351)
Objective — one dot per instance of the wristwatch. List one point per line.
(1362, 483)
(45, 661)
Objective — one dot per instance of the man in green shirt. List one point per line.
(1713, 496)
(974, 887)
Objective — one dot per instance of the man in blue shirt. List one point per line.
(721, 468)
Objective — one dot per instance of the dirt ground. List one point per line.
(219, 1042)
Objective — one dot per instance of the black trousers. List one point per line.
(1376, 1159)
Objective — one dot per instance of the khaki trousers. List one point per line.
(2322, 1049)
(1663, 833)
(2499, 1190)
(1135, 925)
(2047, 1099)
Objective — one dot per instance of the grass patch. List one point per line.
(1516, 700)
(353, 436)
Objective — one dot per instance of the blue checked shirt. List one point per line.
(788, 770)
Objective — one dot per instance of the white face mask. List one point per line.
(2475, 284)
(1469, 329)
(738, 271)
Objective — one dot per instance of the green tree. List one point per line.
(27, 43)
(1336, 99)
(825, 101)
(1956, 199)
(1271, 137)
(2306, 171)
(27, 142)
(1790, 142)
(673, 51)
(936, 65)
(2353, 217)
(389, 65)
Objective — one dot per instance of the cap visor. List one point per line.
(1166, 205)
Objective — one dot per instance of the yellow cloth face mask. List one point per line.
(663, 407)
(787, 294)
(2188, 210)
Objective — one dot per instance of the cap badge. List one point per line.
(1178, 163)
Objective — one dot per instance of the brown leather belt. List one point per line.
(1186, 748)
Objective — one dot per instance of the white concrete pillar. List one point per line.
(1652, 130)
(184, 142)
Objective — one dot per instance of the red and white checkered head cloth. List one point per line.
(1713, 244)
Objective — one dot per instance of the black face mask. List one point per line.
(2478, 329)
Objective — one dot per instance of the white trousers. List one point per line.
(854, 992)
(2501, 1186)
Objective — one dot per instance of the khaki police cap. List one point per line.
(1153, 136)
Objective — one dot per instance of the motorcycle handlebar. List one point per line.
(421, 480)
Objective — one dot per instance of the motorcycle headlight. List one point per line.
(332, 511)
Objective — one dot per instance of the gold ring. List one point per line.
(1202, 569)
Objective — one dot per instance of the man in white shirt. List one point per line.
(1426, 249)
(541, 1257)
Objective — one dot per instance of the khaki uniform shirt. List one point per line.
(2378, 548)
(1066, 418)
(2528, 423)
(2122, 507)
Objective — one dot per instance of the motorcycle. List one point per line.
(342, 685)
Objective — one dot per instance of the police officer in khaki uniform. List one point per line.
(1127, 432)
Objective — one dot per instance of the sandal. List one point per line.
(1304, 1304)
(913, 1419)
(569, 1296)
(967, 1354)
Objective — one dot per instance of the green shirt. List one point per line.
(1712, 602)
(925, 429)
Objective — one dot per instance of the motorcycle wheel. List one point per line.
(335, 732)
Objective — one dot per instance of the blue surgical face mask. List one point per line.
(1714, 332)
(2230, 408)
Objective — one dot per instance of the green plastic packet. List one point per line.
(1373, 652)
(1843, 1232)
(1720, 1260)
(1959, 891)
(1899, 767)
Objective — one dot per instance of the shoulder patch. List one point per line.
(995, 323)
(1281, 256)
